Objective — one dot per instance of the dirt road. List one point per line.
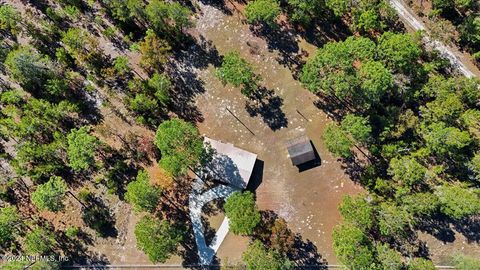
(456, 58)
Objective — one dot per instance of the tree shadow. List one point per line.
(331, 106)
(274, 233)
(284, 41)
(98, 217)
(470, 228)
(267, 104)
(439, 227)
(187, 85)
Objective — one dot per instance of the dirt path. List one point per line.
(307, 200)
(457, 59)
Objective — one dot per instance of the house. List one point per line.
(230, 164)
(300, 150)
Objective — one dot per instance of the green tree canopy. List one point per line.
(258, 257)
(463, 262)
(262, 11)
(407, 171)
(180, 144)
(399, 52)
(421, 264)
(81, 148)
(458, 202)
(9, 225)
(39, 241)
(357, 211)
(142, 194)
(240, 208)
(352, 247)
(121, 65)
(168, 18)
(304, 11)
(238, 72)
(388, 257)
(50, 196)
(375, 79)
(424, 204)
(337, 141)
(358, 127)
(474, 166)
(161, 85)
(9, 18)
(393, 221)
(445, 141)
(28, 67)
(158, 239)
(155, 51)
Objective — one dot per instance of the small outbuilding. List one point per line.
(300, 150)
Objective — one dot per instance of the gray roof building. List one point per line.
(300, 150)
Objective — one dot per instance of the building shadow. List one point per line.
(312, 163)
(257, 176)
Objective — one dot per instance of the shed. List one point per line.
(300, 150)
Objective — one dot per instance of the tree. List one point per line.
(240, 208)
(238, 72)
(421, 264)
(303, 11)
(337, 142)
(28, 67)
(332, 70)
(158, 239)
(393, 221)
(445, 108)
(463, 262)
(375, 79)
(281, 238)
(165, 17)
(144, 106)
(398, 51)
(339, 7)
(39, 241)
(445, 141)
(470, 31)
(50, 196)
(474, 166)
(81, 148)
(180, 144)
(470, 120)
(421, 204)
(9, 19)
(258, 257)
(84, 48)
(407, 171)
(262, 11)
(160, 84)
(352, 247)
(121, 65)
(9, 225)
(155, 51)
(389, 258)
(357, 211)
(458, 202)
(358, 127)
(142, 194)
